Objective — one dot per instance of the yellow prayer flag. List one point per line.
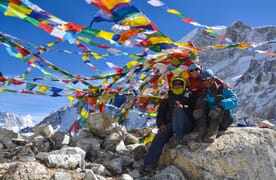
(106, 96)
(1, 90)
(50, 44)
(219, 46)
(173, 11)
(11, 12)
(157, 40)
(209, 30)
(71, 99)
(111, 3)
(143, 76)
(85, 57)
(96, 56)
(84, 113)
(43, 88)
(149, 139)
(136, 21)
(105, 35)
(105, 83)
(15, 10)
(117, 119)
(131, 64)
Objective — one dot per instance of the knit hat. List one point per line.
(193, 66)
(207, 73)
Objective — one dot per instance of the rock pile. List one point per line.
(108, 151)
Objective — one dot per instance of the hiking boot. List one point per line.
(147, 170)
(180, 141)
(198, 139)
(208, 140)
(173, 140)
(220, 133)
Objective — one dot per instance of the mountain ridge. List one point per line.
(251, 74)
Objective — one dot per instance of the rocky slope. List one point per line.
(107, 151)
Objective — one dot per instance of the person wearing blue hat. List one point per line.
(174, 119)
(194, 82)
(213, 111)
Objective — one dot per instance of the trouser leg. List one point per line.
(155, 150)
(200, 116)
(227, 121)
(181, 123)
(215, 120)
(201, 127)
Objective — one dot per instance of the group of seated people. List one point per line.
(201, 103)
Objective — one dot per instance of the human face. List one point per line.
(194, 72)
(178, 84)
(177, 87)
(208, 82)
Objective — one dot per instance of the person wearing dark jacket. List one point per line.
(174, 118)
(213, 111)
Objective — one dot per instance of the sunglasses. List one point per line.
(192, 70)
(206, 79)
(178, 84)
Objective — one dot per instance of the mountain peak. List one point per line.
(239, 25)
(14, 122)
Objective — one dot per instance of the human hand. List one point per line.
(162, 128)
(178, 105)
(227, 85)
(218, 99)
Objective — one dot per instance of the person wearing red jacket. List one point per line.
(194, 82)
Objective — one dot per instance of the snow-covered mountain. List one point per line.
(14, 122)
(64, 118)
(252, 74)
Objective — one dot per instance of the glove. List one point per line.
(218, 99)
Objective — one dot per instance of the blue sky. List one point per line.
(209, 12)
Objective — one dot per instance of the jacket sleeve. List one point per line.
(162, 112)
(230, 101)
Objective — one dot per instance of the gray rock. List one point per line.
(240, 153)
(61, 176)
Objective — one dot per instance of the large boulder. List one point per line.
(100, 124)
(240, 153)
